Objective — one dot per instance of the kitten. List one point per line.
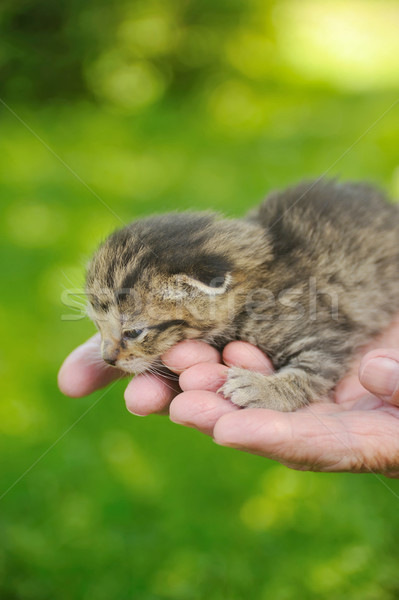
(308, 277)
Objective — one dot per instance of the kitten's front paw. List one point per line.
(254, 390)
(241, 387)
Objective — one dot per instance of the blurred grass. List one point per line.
(174, 110)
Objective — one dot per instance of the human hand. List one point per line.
(358, 432)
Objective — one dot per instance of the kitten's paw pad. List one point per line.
(242, 387)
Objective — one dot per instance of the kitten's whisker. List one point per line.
(161, 371)
(149, 373)
(160, 376)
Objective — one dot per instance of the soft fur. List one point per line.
(309, 276)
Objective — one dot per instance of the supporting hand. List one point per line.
(358, 432)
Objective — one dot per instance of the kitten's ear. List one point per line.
(187, 285)
(205, 274)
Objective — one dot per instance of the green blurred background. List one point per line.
(114, 110)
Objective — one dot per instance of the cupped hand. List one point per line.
(357, 432)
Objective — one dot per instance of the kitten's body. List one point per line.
(308, 277)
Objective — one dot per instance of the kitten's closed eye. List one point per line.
(133, 334)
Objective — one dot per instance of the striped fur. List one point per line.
(309, 277)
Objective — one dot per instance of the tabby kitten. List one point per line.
(308, 277)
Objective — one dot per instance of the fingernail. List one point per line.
(381, 376)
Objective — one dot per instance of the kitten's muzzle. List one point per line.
(110, 354)
(110, 361)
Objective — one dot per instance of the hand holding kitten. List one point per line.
(356, 433)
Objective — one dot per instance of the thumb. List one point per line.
(379, 373)
(83, 371)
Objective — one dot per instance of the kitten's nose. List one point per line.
(110, 354)
(110, 361)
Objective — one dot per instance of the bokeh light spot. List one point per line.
(128, 85)
(251, 53)
(282, 492)
(32, 224)
(236, 108)
(129, 463)
(148, 35)
(352, 45)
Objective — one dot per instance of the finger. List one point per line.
(304, 440)
(379, 373)
(246, 356)
(204, 376)
(189, 353)
(147, 394)
(348, 390)
(84, 371)
(200, 410)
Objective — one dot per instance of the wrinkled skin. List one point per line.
(358, 432)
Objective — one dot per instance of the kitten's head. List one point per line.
(165, 279)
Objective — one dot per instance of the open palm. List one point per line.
(358, 431)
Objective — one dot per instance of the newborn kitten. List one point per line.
(308, 277)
